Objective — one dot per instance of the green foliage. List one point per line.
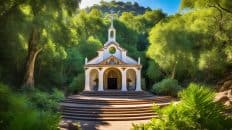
(119, 6)
(19, 19)
(195, 111)
(186, 47)
(46, 101)
(194, 45)
(17, 113)
(167, 87)
(66, 37)
(30, 119)
(77, 84)
(89, 48)
(224, 5)
(153, 71)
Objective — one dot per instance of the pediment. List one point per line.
(112, 60)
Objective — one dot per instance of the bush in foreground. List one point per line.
(17, 113)
(166, 87)
(46, 101)
(195, 111)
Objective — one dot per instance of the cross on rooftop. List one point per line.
(112, 17)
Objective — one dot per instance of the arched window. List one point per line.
(111, 34)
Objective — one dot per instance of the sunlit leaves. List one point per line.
(171, 46)
(188, 44)
(196, 110)
(153, 71)
(228, 51)
(26, 9)
(223, 5)
(6, 5)
(212, 60)
(89, 48)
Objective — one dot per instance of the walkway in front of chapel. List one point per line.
(108, 125)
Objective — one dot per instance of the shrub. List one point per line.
(77, 84)
(17, 113)
(153, 71)
(195, 111)
(46, 101)
(34, 120)
(166, 87)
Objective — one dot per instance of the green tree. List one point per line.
(186, 45)
(38, 24)
(223, 5)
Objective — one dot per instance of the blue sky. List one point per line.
(168, 6)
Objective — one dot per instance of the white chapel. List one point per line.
(112, 69)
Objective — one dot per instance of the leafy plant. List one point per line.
(166, 87)
(47, 101)
(77, 84)
(195, 111)
(153, 71)
(16, 112)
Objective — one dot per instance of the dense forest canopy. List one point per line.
(54, 44)
(120, 7)
(47, 42)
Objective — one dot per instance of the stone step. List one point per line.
(107, 118)
(106, 115)
(137, 97)
(117, 93)
(111, 106)
(107, 103)
(110, 103)
(121, 95)
(109, 111)
(118, 99)
(96, 106)
(71, 100)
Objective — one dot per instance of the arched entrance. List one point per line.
(112, 79)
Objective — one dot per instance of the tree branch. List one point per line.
(224, 9)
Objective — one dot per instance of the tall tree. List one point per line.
(190, 44)
(45, 14)
(39, 23)
(223, 5)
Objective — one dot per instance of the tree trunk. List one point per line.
(33, 52)
(174, 71)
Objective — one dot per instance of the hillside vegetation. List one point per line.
(120, 7)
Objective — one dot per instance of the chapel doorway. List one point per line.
(112, 83)
(112, 79)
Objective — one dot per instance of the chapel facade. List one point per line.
(112, 69)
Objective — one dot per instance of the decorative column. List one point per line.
(87, 85)
(100, 81)
(124, 87)
(138, 80)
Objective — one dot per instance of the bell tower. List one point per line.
(111, 30)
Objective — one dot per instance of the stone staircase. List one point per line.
(111, 106)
